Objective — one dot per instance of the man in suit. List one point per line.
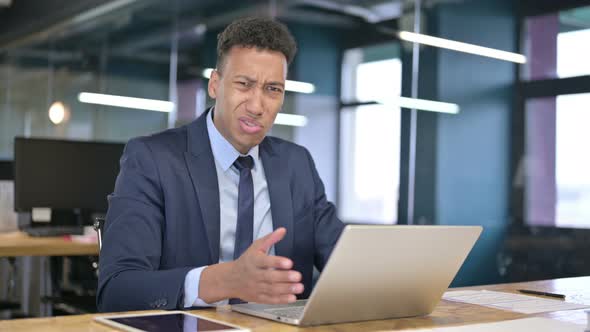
(215, 211)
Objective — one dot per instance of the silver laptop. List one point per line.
(379, 272)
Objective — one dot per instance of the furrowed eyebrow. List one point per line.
(246, 78)
(251, 80)
(276, 84)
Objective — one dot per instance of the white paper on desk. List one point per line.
(536, 324)
(508, 301)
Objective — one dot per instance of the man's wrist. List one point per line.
(216, 283)
(229, 284)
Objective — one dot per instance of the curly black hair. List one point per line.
(260, 32)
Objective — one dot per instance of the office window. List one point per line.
(28, 93)
(557, 44)
(369, 142)
(558, 180)
(554, 165)
(573, 52)
(572, 164)
(30, 82)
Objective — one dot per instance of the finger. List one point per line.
(265, 261)
(273, 276)
(280, 299)
(282, 288)
(264, 243)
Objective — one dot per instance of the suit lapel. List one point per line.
(201, 166)
(277, 178)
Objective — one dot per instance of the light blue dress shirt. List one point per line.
(228, 177)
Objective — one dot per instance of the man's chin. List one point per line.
(246, 146)
(254, 143)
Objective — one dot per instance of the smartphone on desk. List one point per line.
(173, 321)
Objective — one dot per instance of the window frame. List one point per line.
(530, 89)
(354, 104)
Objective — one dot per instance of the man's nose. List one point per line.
(255, 102)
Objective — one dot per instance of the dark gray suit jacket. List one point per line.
(163, 217)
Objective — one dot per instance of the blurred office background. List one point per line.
(506, 151)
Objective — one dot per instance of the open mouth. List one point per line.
(250, 126)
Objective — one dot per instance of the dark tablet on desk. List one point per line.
(174, 321)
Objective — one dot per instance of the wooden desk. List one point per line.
(446, 314)
(20, 244)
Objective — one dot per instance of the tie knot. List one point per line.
(246, 162)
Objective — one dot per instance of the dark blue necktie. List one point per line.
(245, 226)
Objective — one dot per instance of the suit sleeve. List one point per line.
(327, 225)
(129, 269)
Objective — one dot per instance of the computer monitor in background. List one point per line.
(72, 178)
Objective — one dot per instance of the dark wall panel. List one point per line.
(473, 147)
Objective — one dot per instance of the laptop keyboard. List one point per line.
(289, 312)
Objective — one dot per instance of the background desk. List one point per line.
(19, 244)
(446, 313)
(16, 244)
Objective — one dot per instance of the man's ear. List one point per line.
(213, 84)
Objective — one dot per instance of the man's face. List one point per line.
(248, 92)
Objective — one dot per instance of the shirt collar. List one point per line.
(223, 151)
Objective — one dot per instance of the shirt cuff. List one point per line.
(191, 289)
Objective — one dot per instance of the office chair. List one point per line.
(78, 298)
(98, 227)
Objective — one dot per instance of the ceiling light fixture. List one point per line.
(291, 120)
(461, 47)
(57, 112)
(127, 102)
(421, 104)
